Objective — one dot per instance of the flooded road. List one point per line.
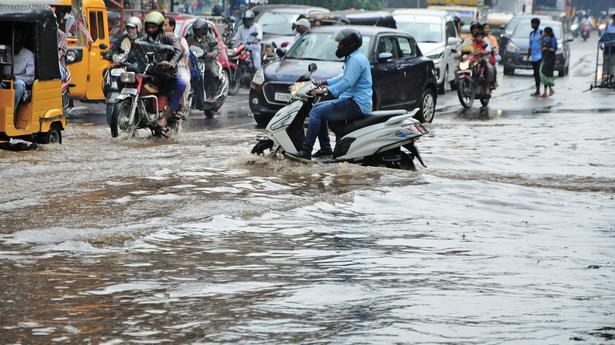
(507, 237)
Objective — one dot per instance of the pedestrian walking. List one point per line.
(534, 53)
(549, 47)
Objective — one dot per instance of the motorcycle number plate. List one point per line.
(116, 72)
(282, 97)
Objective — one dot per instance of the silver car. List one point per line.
(437, 39)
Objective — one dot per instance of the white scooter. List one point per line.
(375, 140)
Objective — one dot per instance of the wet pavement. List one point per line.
(507, 237)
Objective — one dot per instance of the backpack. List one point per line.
(195, 74)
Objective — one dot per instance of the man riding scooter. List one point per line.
(353, 91)
(251, 34)
(483, 54)
(205, 39)
(167, 70)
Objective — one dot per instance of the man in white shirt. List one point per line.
(251, 34)
(23, 68)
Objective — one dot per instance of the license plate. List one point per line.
(525, 58)
(282, 97)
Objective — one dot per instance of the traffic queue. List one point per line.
(162, 68)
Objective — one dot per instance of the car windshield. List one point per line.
(320, 46)
(277, 23)
(422, 32)
(524, 28)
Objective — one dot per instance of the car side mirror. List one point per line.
(104, 46)
(312, 67)
(452, 41)
(280, 53)
(385, 57)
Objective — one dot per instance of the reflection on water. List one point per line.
(507, 237)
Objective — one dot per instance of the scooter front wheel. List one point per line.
(120, 118)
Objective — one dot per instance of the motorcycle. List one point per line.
(222, 91)
(112, 85)
(471, 83)
(140, 104)
(585, 32)
(241, 68)
(383, 138)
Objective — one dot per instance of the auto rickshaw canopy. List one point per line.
(40, 26)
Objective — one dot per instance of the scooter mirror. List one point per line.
(312, 67)
(254, 34)
(150, 57)
(104, 46)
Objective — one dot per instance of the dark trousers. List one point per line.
(536, 67)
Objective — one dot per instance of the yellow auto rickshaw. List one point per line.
(29, 68)
(86, 65)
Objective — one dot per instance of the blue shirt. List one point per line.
(550, 42)
(610, 29)
(535, 45)
(355, 83)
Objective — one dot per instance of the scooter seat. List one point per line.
(342, 128)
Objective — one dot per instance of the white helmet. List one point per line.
(134, 22)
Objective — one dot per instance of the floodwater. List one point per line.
(507, 237)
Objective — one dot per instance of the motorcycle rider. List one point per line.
(133, 32)
(484, 54)
(167, 70)
(353, 90)
(251, 34)
(203, 37)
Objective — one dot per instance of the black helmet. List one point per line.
(349, 40)
(200, 24)
(479, 33)
(476, 25)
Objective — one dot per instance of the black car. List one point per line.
(516, 49)
(402, 77)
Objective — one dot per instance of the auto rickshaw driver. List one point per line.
(22, 65)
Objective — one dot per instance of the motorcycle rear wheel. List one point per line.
(465, 93)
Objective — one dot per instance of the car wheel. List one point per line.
(262, 119)
(509, 71)
(428, 106)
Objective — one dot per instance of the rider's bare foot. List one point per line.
(552, 92)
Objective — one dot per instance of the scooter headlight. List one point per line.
(574, 27)
(463, 65)
(602, 27)
(128, 77)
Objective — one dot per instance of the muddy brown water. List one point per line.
(507, 237)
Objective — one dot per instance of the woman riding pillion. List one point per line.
(353, 91)
(154, 22)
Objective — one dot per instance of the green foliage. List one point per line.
(337, 4)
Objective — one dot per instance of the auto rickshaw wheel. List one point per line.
(54, 136)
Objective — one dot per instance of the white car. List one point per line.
(437, 38)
